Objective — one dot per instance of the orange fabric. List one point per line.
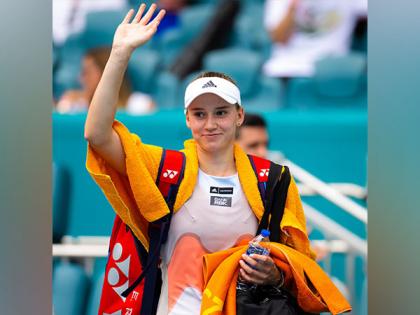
(314, 290)
(185, 272)
(138, 201)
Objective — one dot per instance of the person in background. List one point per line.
(253, 136)
(171, 19)
(93, 65)
(304, 31)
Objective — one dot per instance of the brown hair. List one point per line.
(100, 56)
(207, 74)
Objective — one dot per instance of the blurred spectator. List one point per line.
(253, 135)
(303, 31)
(171, 19)
(93, 65)
(69, 16)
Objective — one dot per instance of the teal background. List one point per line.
(394, 155)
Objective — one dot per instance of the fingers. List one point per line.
(158, 17)
(137, 18)
(259, 262)
(128, 17)
(148, 15)
(251, 275)
(258, 269)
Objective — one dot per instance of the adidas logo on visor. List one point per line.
(209, 84)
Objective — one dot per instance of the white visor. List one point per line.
(221, 87)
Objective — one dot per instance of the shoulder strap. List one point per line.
(273, 183)
(261, 168)
(170, 174)
(276, 200)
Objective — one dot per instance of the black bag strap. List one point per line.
(273, 194)
(276, 201)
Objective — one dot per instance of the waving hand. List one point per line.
(130, 35)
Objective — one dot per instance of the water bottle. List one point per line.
(255, 247)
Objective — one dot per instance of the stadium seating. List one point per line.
(100, 27)
(167, 93)
(66, 76)
(257, 92)
(70, 288)
(248, 30)
(95, 295)
(339, 81)
(143, 69)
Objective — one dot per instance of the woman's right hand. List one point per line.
(130, 35)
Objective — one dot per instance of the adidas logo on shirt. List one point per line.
(221, 190)
(209, 84)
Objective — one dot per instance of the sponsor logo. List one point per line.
(214, 190)
(117, 276)
(209, 84)
(221, 201)
(170, 173)
(264, 172)
(221, 190)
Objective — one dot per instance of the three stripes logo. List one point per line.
(209, 84)
(170, 173)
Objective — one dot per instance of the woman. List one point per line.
(93, 64)
(120, 162)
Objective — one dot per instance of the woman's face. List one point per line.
(213, 122)
(90, 76)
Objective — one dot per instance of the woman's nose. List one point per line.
(210, 123)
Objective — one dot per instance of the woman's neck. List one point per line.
(217, 164)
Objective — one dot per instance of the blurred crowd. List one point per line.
(278, 51)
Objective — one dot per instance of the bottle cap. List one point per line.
(265, 233)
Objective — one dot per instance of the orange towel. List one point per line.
(314, 291)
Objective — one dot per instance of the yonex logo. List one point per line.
(209, 84)
(170, 173)
(119, 272)
(264, 172)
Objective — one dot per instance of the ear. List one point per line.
(241, 116)
(187, 119)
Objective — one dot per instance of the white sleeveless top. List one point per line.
(216, 217)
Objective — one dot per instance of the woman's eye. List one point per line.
(221, 113)
(199, 114)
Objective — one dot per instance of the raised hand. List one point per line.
(130, 35)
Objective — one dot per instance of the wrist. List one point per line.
(120, 54)
(280, 282)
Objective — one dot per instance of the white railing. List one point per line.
(328, 192)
